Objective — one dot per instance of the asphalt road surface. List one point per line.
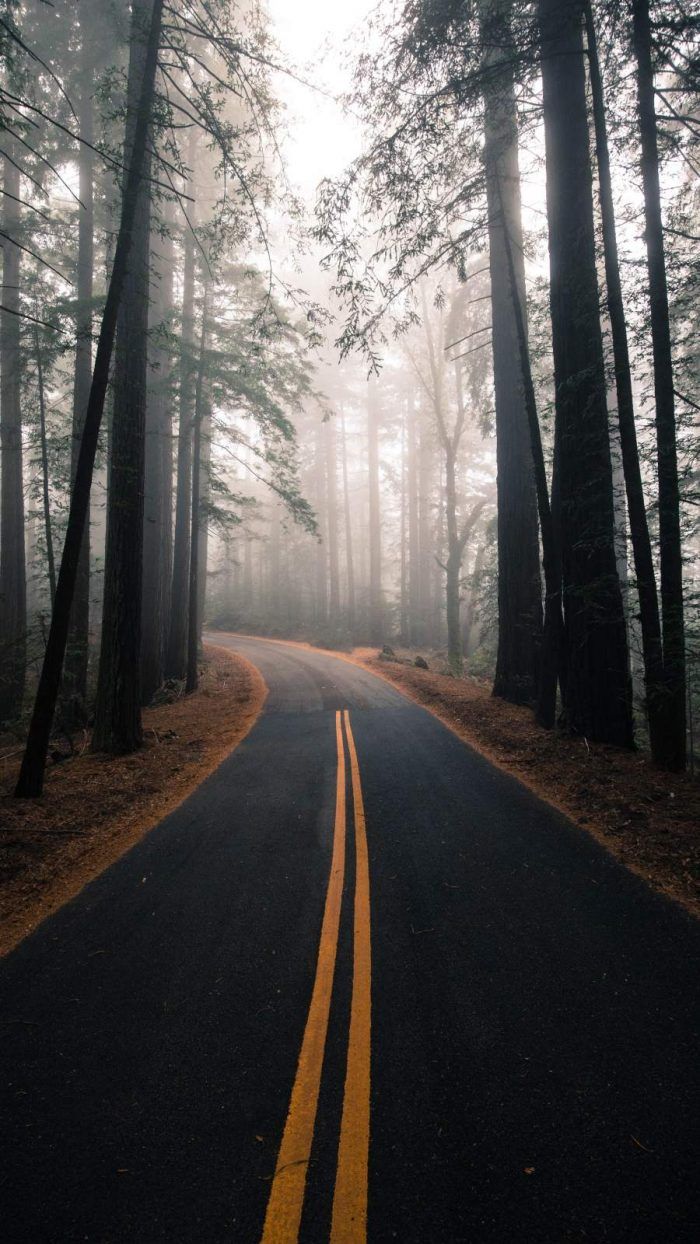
(361, 985)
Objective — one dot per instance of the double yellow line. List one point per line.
(349, 1220)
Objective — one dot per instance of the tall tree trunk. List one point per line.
(31, 776)
(636, 505)
(156, 470)
(519, 585)
(349, 559)
(204, 500)
(672, 732)
(165, 566)
(192, 679)
(320, 570)
(598, 699)
(75, 676)
(176, 654)
(48, 534)
(425, 535)
(453, 568)
(403, 549)
(118, 726)
(13, 578)
(376, 621)
(414, 569)
(332, 525)
(552, 662)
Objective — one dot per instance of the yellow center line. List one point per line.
(349, 1223)
(288, 1186)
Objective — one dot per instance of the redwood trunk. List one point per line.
(13, 582)
(519, 585)
(74, 695)
(672, 735)
(598, 699)
(118, 728)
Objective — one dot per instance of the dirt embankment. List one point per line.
(95, 807)
(648, 819)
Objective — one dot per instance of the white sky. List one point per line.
(313, 35)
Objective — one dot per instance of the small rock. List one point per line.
(421, 663)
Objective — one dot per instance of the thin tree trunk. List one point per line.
(519, 585)
(376, 622)
(75, 678)
(671, 745)
(349, 560)
(176, 655)
(204, 499)
(639, 527)
(48, 536)
(453, 568)
(598, 699)
(156, 467)
(552, 659)
(118, 727)
(165, 566)
(320, 575)
(414, 569)
(13, 575)
(425, 541)
(30, 782)
(332, 525)
(192, 679)
(403, 552)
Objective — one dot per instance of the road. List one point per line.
(359, 972)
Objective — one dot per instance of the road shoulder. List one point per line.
(96, 807)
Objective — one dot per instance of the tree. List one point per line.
(176, 652)
(117, 726)
(598, 699)
(74, 695)
(670, 553)
(376, 609)
(519, 587)
(31, 776)
(639, 527)
(13, 588)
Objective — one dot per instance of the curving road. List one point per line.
(360, 985)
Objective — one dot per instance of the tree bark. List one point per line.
(75, 676)
(519, 584)
(157, 485)
(598, 693)
(551, 668)
(176, 655)
(672, 731)
(204, 499)
(414, 578)
(332, 525)
(376, 621)
(403, 537)
(118, 727)
(30, 782)
(636, 504)
(192, 679)
(349, 559)
(13, 576)
(320, 569)
(48, 534)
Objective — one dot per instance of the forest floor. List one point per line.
(95, 807)
(647, 819)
